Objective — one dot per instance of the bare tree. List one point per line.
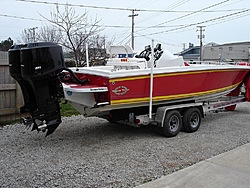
(49, 34)
(96, 49)
(111, 41)
(75, 28)
(44, 34)
(26, 36)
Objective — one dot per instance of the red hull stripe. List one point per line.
(170, 74)
(172, 97)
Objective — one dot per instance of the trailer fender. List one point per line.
(162, 111)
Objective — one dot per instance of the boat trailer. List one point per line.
(40, 70)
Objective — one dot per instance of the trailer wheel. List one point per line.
(191, 120)
(172, 123)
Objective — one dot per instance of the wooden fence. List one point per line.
(11, 98)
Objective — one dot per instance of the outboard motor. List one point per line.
(15, 72)
(36, 66)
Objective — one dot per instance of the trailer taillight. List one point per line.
(137, 121)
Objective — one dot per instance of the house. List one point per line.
(239, 51)
(191, 54)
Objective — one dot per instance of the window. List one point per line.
(230, 48)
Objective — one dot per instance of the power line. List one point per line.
(231, 18)
(177, 27)
(74, 5)
(170, 7)
(117, 8)
(160, 41)
(123, 39)
(20, 17)
(217, 22)
(199, 23)
(190, 29)
(110, 26)
(184, 16)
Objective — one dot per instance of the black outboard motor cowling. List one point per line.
(15, 72)
(36, 67)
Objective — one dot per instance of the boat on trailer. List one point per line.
(151, 87)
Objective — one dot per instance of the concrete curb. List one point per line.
(230, 169)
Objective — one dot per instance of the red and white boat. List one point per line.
(128, 86)
(125, 82)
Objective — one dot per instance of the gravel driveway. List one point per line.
(91, 152)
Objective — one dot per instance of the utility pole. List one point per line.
(200, 36)
(133, 25)
(184, 46)
(33, 29)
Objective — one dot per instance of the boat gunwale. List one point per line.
(106, 71)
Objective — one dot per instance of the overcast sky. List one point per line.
(226, 21)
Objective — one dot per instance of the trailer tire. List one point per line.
(172, 123)
(191, 120)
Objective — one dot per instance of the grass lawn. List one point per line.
(68, 110)
(8, 122)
